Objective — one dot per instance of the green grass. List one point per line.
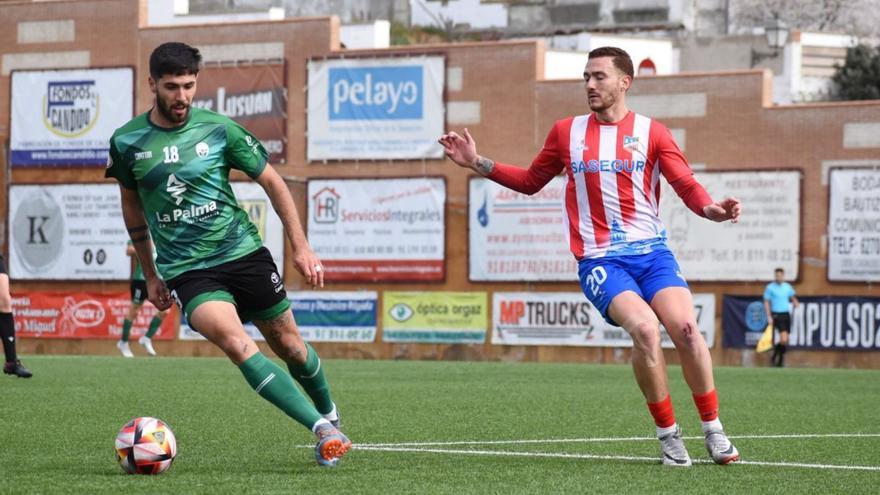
(57, 429)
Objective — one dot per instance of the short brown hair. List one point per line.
(619, 58)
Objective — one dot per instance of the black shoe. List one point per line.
(17, 369)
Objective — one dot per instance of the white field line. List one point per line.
(610, 440)
(604, 457)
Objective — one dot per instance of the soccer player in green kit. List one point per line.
(173, 166)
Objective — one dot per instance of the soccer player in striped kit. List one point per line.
(612, 161)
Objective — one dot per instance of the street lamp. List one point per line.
(777, 34)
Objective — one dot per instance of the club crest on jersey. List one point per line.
(630, 142)
(202, 149)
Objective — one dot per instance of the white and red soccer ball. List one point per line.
(145, 446)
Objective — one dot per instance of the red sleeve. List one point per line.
(544, 167)
(692, 193)
(675, 168)
(673, 164)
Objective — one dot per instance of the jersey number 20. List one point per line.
(596, 277)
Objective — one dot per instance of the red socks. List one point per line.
(664, 416)
(707, 404)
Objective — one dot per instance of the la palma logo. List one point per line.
(71, 108)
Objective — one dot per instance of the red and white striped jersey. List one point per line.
(612, 172)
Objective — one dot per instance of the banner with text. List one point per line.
(766, 237)
(255, 96)
(517, 237)
(567, 318)
(321, 317)
(81, 315)
(837, 323)
(335, 316)
(72, 232)
(378, 230)
(66, 117)
(434, 317)
(375, 108)
(854, 225)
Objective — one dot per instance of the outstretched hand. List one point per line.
(729, 209)
(309, 266)
(460, 149)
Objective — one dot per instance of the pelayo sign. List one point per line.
(375, 108)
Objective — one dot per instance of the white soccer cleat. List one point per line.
(148, 345)
(124, 348)
(673, 451)
(720, 448)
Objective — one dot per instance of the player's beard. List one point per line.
(602, 102)
(166, 111)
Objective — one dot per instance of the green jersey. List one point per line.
(182, 178)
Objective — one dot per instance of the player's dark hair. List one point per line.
(779, 270)
(174, 58)
(619, 58)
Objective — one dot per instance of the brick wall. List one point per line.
(725, 118)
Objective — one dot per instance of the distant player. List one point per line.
(779, 298)
(612, 161)
(138, 296)
(13, 365)
(173, 166)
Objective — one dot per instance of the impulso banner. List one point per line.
(837, 323)
(82, 315)
(434, 317)
(378, 230)
(321, 317)
(375, 108)
(253, 95)
(66, 117)
(567, 318)
(854, 225)
(67, 232)
(767, 235)
(514, 236)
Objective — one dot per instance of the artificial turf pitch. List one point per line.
(435, 427)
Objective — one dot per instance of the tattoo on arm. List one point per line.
(135, 230)
(484, 166)
(135, 239)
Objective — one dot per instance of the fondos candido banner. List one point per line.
(66, 117)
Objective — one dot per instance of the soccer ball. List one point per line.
(145, 446)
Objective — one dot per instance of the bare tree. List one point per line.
(856, 17)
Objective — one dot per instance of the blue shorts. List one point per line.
(645, 274)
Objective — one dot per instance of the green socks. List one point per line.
(311, 377)
(126, 329)
(154, 327)
(276, 386)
